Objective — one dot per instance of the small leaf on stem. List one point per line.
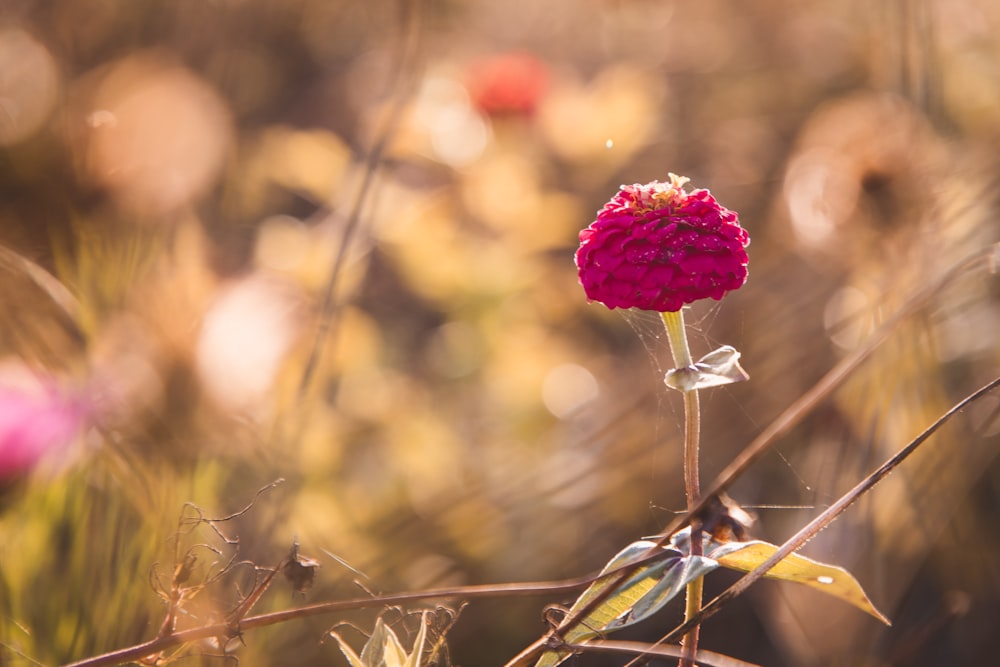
(719, 367)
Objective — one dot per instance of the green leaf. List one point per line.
(683, 572)
(830, 579)
(644, 593)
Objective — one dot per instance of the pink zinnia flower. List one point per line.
(657, 247)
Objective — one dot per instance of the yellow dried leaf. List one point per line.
(830, 579)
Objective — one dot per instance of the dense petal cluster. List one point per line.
(657, 247)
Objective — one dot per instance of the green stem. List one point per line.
(677, 336)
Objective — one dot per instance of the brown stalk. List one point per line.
(223, 629)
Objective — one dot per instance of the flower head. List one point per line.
(657, 247)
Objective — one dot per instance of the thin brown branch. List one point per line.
(249, 506)
(179, 638)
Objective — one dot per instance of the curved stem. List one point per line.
(674, 323)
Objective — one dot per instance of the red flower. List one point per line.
(508, 84)
(657, 247)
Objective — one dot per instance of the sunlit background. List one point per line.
(332, 242)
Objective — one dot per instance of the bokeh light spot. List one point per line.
(244, 339)
(158, 135)
(819, 194)
(28, 86)
(567, 388)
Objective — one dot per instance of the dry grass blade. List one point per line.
(48, 283)
(708, 658)
(404, 87)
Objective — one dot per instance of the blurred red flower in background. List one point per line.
(507, 83)
(657, 247)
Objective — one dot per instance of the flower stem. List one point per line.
(674, 322)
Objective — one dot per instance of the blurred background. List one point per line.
(332, 242)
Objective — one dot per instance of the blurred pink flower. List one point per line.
(508, 84)
(657, 247)
(34, 425)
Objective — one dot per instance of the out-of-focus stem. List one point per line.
(674, 323)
